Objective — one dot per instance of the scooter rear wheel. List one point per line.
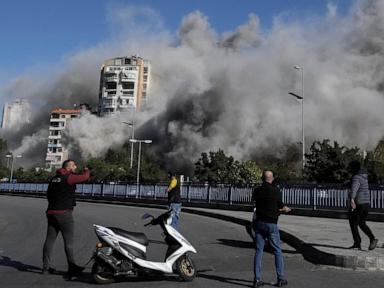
(102, 273)
(185, 268)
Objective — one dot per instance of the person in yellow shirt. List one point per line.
(174, 199)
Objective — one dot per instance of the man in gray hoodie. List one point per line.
(359, 198)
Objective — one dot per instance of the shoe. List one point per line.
(355, 246)
(74, 270)
(49, 270)
(258, 283)
(373, 244)
(281, 283)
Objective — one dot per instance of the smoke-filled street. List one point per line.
(224, 258)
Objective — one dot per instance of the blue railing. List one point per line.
(304, 196)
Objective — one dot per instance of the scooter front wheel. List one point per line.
(102, 273)
(185, 268)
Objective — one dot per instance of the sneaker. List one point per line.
(258, 283)
(49, 270)
(355, 246)
(373, 244)
(281, 283)
(74, 270)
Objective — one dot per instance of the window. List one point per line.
(111, 85)
(145, 70)
(73, 116)
(127, 61)
(113, 92)
(54, 116)
(59, 149)
(62, 116)
(118, 62)
(128, 85)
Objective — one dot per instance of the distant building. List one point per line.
(124, 83)
(56, 152)
(15, 114)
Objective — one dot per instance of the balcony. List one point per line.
(51, 128)
(112, 78)
(51, 145)
(53, 137)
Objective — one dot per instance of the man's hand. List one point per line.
(353, 204)
(285, 209)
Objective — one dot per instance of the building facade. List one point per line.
(124, 84)
(56, 152)
(15, 114)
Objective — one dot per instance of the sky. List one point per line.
(221, 72)
(41, 33)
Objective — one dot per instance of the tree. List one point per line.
(250, 172)
(216, 167)
(329, 163)
(378, 159)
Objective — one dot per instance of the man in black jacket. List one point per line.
(61, 200)
(268, 207)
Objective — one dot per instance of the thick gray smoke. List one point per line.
(230, 91)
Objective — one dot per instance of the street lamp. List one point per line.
(8, 156)
(13, 158)
(301, 99)
(132, 126)
(138, 161)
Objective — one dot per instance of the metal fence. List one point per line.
(304, 196)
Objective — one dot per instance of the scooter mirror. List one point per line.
(146, 216)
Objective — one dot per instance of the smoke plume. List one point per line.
(228, 90)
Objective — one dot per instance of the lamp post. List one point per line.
(138, 161)
(13, 158)
(8, 156)
(301, 99)
(132, 126)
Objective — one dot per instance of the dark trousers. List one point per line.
(357, 218)
(59, 223)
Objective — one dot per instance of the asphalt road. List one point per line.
(224, 259)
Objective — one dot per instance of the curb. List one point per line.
(309, 253)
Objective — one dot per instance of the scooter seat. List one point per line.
(137, 237)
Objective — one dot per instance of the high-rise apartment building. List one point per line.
(15, 114)
(124, 83)
(56, 152)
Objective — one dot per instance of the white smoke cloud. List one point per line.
(230, 91)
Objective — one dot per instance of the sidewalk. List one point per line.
(320, 240)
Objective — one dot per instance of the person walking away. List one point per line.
(174, 199)
(61, 201)
(359, 199)
(269, 205)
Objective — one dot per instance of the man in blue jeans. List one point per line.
(269, 205)
(174, 199)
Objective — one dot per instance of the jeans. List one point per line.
(175, 214)
(357, 217)
(269, 231)
(59, 223)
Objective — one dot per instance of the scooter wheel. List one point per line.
(185, 268)
(102, 274)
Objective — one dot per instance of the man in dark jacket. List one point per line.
(61, 200)
(269, 204)
(359, 199)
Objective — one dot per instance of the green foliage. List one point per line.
(378, 160)
(115, 166)
(34, 175)
(3, 152)
(220, 168)
(329, 163)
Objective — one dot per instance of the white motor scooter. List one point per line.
(122, 253)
